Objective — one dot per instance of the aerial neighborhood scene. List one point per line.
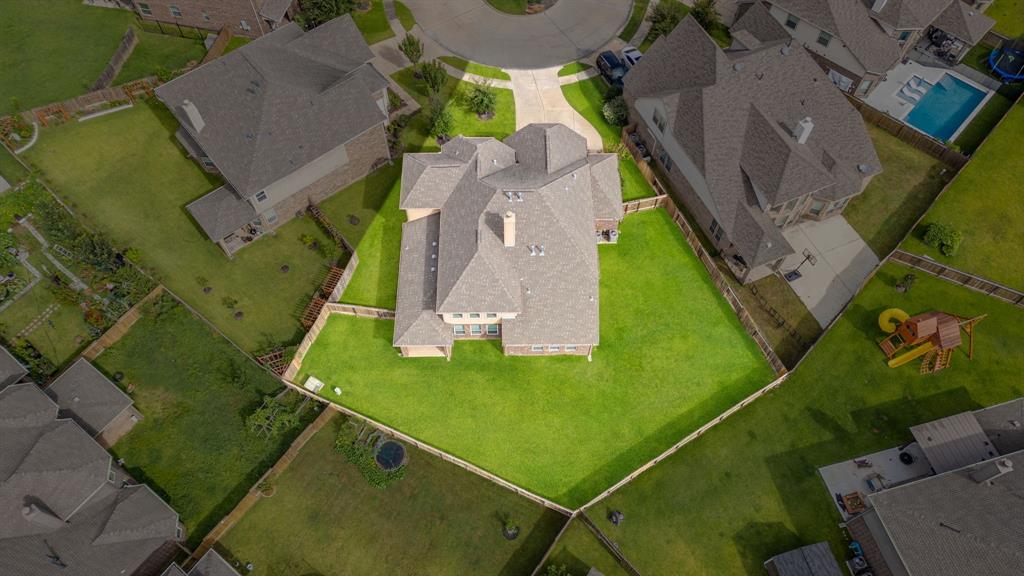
(511, 287)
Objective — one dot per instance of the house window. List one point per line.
(824, 38)
(175, 11)
(536, 348)
(207, 162)
(244, 25)
(475, 329)
(659, 120)
(570, 348)
(144, 9)
(816, 207)
(665, 160)
(791, 22)
(492, 315)
(474, 316)
(206, 16)
(261, 196)
(456, 316)
(716, 229)
(460, 330)
(270, 216)
(865, 85)
(492, 329)
(554, 348)
(904, 35)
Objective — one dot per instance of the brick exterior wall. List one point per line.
(365, 152)
(218, 13)
(528, 351)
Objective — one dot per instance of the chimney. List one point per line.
(194, 117)
(989, 471)
(510, 229)
(803, 130)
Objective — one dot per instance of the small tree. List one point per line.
(557, 570)
(412, 47)
(705, 12)
(945, 238)
(440, 118)
(434, 75)
(664, 17)
(616, 112)
(313, 13)
(482, 99)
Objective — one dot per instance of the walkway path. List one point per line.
(539, 98)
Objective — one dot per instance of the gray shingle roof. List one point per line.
(83, 393)
(908, 14)
(275, 10)
(964, 22)
(953, 442)
(221, 212)
(733, 113)
(562, 189)
(279, 102)
(1004, 425)
(11, 371)
(212, 564)
(953, 524)
(811, 560)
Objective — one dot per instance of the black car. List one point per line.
(611, 68)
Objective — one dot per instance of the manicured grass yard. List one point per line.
(157, 52)
(672, 356)
(749, 489)
(897, 197)
(405, 16)
(636, 17)
(324, 518)
(52, 50)
(509, 6)
(1009, 17)
(194, 391)
(373, 23)
(579, 550)
(126, 175)
(984, 202)
(476, 68)
(235, 43)
(465, 121)
(573, 68)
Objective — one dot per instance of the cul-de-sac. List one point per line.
(511, 287)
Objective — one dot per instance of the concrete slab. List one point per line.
(843, 262)
(844, 478)
(539, 98)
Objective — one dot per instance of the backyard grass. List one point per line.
(475, 68)
(983, 122)
(194, 391)
(1009, 17)
(578, 550)
(465, 121)
(748, 489)
(405, 16)
(159, 52)
(10, 169)
(896, 198)
(509, 6)
(52, 50)
(636, 18)
(373, 23)
(60, 337)
(235, 43)
(125, 175)
(634, 185)
(984, 203)
(324, 518)
(672, 356)
(573, 68)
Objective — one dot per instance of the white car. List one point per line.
(631, 56)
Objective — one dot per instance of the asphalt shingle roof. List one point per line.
(811, 560)
(221, 212)
(964, 22)
(11, 370)
(83, 393)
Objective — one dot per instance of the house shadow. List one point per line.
(759, 541)
(530, 546)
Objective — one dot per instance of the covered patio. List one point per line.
(849, 482)
(227, 219)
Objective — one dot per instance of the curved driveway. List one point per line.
(570, 30)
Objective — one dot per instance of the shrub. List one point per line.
(706, 14)
(229, 302)
(313, 13)
(945, 238)
(616, 112)
(434, 75)
(38, 366)
(665, 16)
(557, 570)
(412, 47)
(482, 99)
(272, 418)
(440, 121)
(394, 101)
(361, 456)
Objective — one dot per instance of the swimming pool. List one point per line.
(945, 107)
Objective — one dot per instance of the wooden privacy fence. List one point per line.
(326, 310)
(609, 544)
(919, 140)
(950, 274)
(554, 544)
(346, 277)
(124, 50)
(91, 102)
(219, 45)
(644, 204)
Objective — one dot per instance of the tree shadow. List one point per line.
(530, 547)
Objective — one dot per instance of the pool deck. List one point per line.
(886, 96)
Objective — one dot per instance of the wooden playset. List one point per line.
(931, 336)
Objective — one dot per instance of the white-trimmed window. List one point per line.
(824, 38)
(244, 25)
(791, 22)
(261, 196)
(207, 162)
(456, 316)
(570, 347)
(175, 11)
(492, 329)
(475, 329)
(659, 120)
(554, 348)
(460, 330)
(489, 315)
(716, 229)
(144, 9)
(536, 348)
(666, 160)
(474, 316)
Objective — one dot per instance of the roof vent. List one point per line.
(989, 471)
(508, 195)
(533, 252)
(541, 250)
(878, 6)
(802, 131)
(863, 168)
(519, 196)
(737, 66)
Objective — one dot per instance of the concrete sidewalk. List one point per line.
(539, 98)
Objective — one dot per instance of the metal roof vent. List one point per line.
(541, 249)
(508, 195)
(863, 168)
(785, 50)
(737, 66)
(519, 196)
(533, 252)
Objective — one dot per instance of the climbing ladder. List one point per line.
(936, 360)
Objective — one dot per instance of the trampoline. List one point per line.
(1007, 61)
(390, 455)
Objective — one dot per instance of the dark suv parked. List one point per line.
(611, 68)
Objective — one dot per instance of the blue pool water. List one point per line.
(944, 108)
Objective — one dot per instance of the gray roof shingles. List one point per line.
(811, 560)
(11, 371)
(84, 394)
(964, 22)
(221, 212)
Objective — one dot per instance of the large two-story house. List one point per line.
(501, 242)
(753, 138)
(252, 18)
(287, 119)
(857, 41)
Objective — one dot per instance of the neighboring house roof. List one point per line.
(211, 564)
(280, 102)
(734, 113)
(1004, 425)
(275, 10)
(966, 521)
(221, 212)
(11, 371)
(953, 442)
(907, 14)
(811, 560)
(964, 22)
(544, 175)
(60, 498)
(84, 394)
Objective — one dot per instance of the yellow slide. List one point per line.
(902, 359)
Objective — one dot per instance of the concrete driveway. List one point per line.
(843, 262)
(539, 99)
(570, 30)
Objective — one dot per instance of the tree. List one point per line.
(946, 238)
(616, 112)
(665, 16)
(439, 119)
(313, 13)
(434, 75)
(705, 12)
(557, 570)
(482, 99)
(412, 47)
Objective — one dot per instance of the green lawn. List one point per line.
(194, 391)
(125, 174)
(373, 23)
(509, 6)
(324, 518)
(466, 121)
(156, 52)
(573, 68)
(52, 50)
(10, 169)
(984, 202)
(897, 197)
(1009, 17)
(636, 17)
(982, 124)
(514, 415)
(749, 489)
(475, 68)
(634, 185)
(579, 551)
(235, 43)
(405, 16)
